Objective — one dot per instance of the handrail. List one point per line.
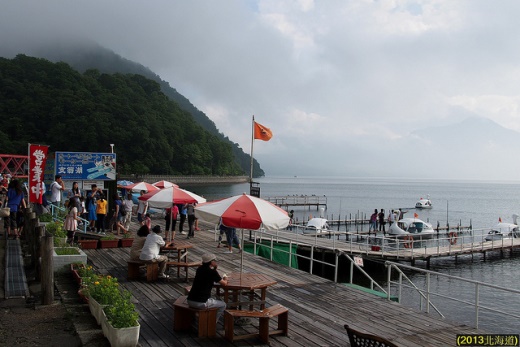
(476, 300)
(259, 235)
(55, 213)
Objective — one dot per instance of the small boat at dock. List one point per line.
(413, 227)
(316, 226)
(504, 230)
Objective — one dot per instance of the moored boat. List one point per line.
(504, 230)
(316, 226)
(414, 227)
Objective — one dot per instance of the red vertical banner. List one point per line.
(37, 160)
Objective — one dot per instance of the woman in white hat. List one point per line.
(200, 293)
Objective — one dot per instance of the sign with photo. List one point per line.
(85, 166)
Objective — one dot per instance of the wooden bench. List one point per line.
(152, 270)
(183, 317)
(185, 265)
(274, 311)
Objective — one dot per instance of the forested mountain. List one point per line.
(84, 55)
(51, 103)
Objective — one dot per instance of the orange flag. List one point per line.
(415, 215)
(262, 133)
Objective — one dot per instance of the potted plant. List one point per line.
(122, 327)
(88, 243)
(108, 241)
(127, 240)
(64, 256)
(101, 291)
(45, 218)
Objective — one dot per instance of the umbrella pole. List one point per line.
(242, 253)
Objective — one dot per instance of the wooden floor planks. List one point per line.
(318, 308)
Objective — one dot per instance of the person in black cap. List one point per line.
(200, 293)
(152, 247)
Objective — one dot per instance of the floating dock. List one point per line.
(298, 200)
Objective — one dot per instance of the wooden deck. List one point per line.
(318, 308)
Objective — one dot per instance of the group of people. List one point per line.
(12, 196)
(377, 219)
(147, 246)
(183, 212)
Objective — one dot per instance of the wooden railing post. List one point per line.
(38, 233)
(47, 271)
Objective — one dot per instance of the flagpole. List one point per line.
(252, 142)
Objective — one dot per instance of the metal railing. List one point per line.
(59, 213)
(426, 294)
(462, 298)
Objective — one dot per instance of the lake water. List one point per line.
(456, 202)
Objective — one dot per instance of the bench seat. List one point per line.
(264, 315)
(185, 265)
(152, 270)
(183, 316)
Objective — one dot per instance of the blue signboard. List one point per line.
(85, 166)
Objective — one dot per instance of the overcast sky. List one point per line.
(332, 79)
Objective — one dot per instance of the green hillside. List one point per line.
(51, 103)
(83, 55)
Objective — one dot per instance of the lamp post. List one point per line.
(112, 147)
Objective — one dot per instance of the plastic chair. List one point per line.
(358, 339)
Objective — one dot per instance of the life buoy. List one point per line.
(408, 241)
(452, 236)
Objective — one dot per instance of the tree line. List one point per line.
(53, 104)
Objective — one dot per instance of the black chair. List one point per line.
(358, 339)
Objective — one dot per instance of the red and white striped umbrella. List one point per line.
(164, 184)
(244, 212)
(137, 187)
(166, 197)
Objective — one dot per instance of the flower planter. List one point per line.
(62, 262)
(75, 274)
(126, 242)
(108, 243)
(88, 244)
(121, 337)
(83, 297)
(96, 309)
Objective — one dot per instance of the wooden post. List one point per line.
(47, 271)
(38, 233)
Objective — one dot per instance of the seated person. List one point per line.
(151, 248)
(200, 293)
(138, 243)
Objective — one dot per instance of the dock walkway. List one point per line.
(318, 308)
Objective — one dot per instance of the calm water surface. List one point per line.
(457, 202)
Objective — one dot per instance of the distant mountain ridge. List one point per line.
(84, 55)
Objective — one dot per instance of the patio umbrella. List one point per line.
(137, 187)
(123, 183)
(165, 198)
(244, 212)
(164, 184)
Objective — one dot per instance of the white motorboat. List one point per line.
(316, 226)
(504, 230)
(424, 203)
(413, 227)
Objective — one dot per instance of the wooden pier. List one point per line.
(318, 308)
(298, 200)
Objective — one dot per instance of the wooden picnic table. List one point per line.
(238, 283)
(181, 247)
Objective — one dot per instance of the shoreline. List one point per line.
(191, 180)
